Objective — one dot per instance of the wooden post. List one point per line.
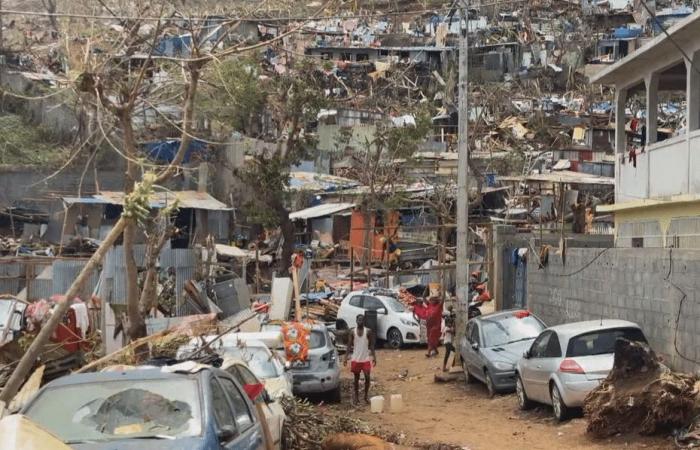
(297, 294)
(352, 267)
(257, 269)
(29, 358)
(265, 427)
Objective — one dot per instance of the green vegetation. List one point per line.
(22, 143)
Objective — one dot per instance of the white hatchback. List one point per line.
(395, 323)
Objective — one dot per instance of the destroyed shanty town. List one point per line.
(367, 224)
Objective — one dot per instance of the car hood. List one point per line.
(509, 353)
(193, 443)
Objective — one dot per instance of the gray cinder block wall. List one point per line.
(631, 284)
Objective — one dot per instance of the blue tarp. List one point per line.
(176, 46)
(626, 33)
(164, 151)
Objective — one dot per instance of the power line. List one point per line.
(13, 12)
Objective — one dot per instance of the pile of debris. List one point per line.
(642, 395)
(309, 427)
(324, 311)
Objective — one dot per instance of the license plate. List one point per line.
(300, 364)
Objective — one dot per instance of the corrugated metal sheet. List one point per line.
(9, 286)
(39, 288)
(218, 224)
(178, 257)
(66, 271)
(186, 199)
(320, 211)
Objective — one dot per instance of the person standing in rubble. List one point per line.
(448, 336)
(361, 346)
(432, 314)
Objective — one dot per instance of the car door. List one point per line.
(274, 414)
(233, 413)
(353, 309)
(476, 365)
(533, 375)
(371, 303)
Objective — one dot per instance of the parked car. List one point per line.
(492, 345)
(320, 373)
(264, 362)
(199, 408)
(568, 361)
(395, 324)
(274, 413)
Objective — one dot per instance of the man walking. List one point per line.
(361, 347)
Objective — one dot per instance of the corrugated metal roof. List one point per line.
(187, 199)
(326, 209)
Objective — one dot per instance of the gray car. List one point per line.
(149, 409)
(320, 373)
(493, 344)
(568, 361)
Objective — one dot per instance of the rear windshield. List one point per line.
(317, 339)
(602, 342)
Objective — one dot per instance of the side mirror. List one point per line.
(382, 311)
(226, 433)
(526, 355)
(475, 347)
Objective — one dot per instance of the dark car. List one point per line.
(493, 344)
(199, 409)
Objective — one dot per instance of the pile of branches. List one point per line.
(641, 395)
(308, 427)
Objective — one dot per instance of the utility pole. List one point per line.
(462, 268)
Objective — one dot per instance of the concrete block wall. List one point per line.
(630, 284)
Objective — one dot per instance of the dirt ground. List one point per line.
(464, 415)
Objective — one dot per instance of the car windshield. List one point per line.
(601, 342)
(317, 339)
(117, 410)
(394, 304)
(259, 361)
(5, 307)
(508, 329)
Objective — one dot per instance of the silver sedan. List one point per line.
(568, 361)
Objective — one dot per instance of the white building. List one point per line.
(657, 183)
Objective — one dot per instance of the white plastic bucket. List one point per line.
(377, 404)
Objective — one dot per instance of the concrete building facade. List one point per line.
(657, 193)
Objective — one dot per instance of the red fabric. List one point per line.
(432, 314)
(357, 367)
(253, 390)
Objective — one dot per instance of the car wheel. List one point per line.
(468, 378)
(523, 402)
(561, 411)
(394, 338)
(336, 395)
(489, 384)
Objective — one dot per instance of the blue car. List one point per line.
(201, 408)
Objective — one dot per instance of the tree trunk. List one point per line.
(27, 362)
(287, 228)
(137, 323)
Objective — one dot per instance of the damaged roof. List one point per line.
(327, 209)
(186, 199)
(629, 68)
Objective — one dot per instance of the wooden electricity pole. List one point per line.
(462, 269)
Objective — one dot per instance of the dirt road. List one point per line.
(465, 416)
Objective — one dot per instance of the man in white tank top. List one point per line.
(363, 357)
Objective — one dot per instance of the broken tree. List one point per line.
(641, 395)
